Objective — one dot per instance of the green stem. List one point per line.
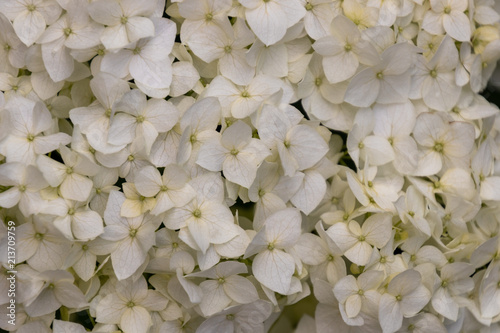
(64, 313)
(91, 318)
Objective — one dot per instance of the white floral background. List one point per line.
(249, 166)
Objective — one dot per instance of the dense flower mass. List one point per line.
(249, 166)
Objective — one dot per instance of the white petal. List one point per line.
(240, 289)
(274, 269)
(363, 89)
(135, 320)
(457, 25)
(389, 314)
(310, 193)
(268, 22)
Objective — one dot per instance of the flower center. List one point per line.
(228, 49)
(438, 147)
(444, 283)
(399, 298)
(197, 213)
(192, 138)
(361, 238)
(245, 94)
(71, 211)
(175, 245)
(137, 50)
(69, 170)
(164, 188)
(31, 8)
(361, 292)
(38, 236)
(22, 188)
(130, 304)
(221, 280)
(447, 10)
(231, 316)
(270, 246)
(30, 137)
(318, 81)
(433, 73)
(6, 47)
(107, 113)
(67, 31)
(347, 47)
(132, 232)
(124, 20)
(85, 247)
(234, 152)
(380, 75)
(140, 119)
(209, 16)
(130, 158)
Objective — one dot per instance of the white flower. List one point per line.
(299, 146)
(26, 182)
(41, 245)
(243, 101)
(322, 254)
(239, 318)
(30, 17)
(206, 219)
(131, 238)
(356, 295)
(434, 80)
(274, 266)
(270, 20)
(27, 121)
(58, 289)
(224, 287)
(454, 281)
(237, 154)
(171, 189)
(126, 21)
(448, 15)
(141, 119)
(444, 143)
(405, 297)
(70, 176)
(356, 242)
(227, 44)
(343, 49)
(386, 82)
(319, 14)
(146, 60)
(129, 306)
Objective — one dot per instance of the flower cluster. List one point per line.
(200, 165)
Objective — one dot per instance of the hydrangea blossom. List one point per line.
(249, 166)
